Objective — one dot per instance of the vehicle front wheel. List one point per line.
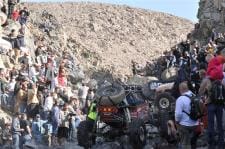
(138, 134)
(164, 101)
(85, 137)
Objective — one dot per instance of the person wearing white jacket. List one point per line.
(48, 104)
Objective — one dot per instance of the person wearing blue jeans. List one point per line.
(26, 134)
(16, 141)
(214, 108)
(73, 124)
(4, 101)
(16, 131)
(215, 111)
(38, 129)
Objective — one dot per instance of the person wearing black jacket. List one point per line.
(24, 14)
(11, 6)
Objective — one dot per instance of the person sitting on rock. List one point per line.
(7, 135)
(25, 59)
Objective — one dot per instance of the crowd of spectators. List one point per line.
(34, 88)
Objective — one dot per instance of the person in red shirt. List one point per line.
(215, 68)
(15, 14)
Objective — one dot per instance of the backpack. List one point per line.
(217, 92)
(196, 111)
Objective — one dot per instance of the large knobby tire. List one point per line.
(84, 134)
(162, 124)
(110, 95)
(164, 117)
(164, 101)
(138, 134)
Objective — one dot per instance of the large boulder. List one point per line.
(210, 15)
(76, 76)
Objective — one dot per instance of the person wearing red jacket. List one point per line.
(215, 68)
(214, 73)
(15, 14)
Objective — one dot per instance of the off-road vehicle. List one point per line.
(121, 110)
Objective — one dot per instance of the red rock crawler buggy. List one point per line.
(122, 110)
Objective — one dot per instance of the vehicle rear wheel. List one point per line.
(85, 137)
(138, 134)
(164, 101)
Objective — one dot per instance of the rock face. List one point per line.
(211, 14)
(106, 38)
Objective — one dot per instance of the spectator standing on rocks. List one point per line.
(89, 99)
(213, 34)
(63, 131)
(62, 80)
(21, 98)
(32, 101)
(48, 132)
(11, 87)
(26, 134)
(16, 130)
(11, 6)
(82, 93)
(48, 104)
(7, 135)
(215, 109)
(15, 14)
(74, 119)
(24, 14)
(55, 116)
(15, 44)
(2, 84)
(186, 126)
(13, 72)
(33, 73)
(38, 129)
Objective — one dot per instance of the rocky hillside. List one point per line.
(210, 15)
(106, 38)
